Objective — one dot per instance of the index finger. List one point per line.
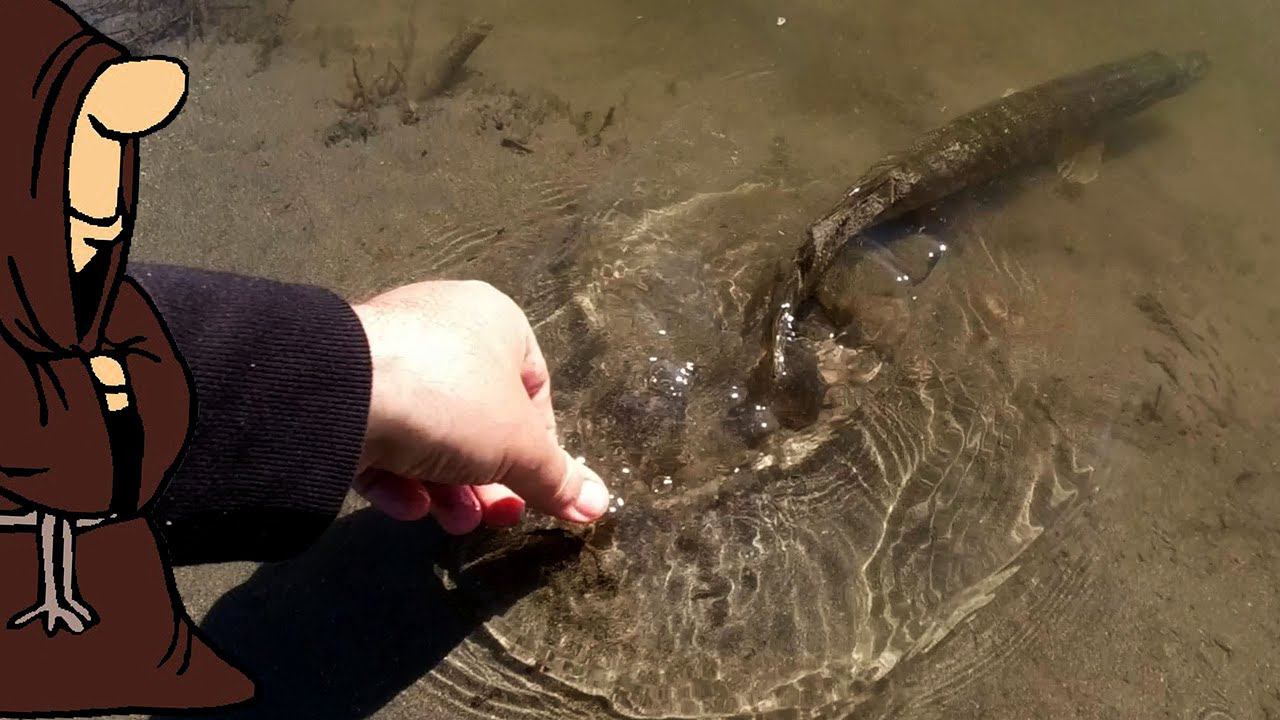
(537, 382)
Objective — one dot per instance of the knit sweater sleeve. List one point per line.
(282, 382)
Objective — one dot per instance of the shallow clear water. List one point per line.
(1045, 463)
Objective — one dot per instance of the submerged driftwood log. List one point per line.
(1021, 129)
(446, 68)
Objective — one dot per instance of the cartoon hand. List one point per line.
(110, 373)
(108, 370)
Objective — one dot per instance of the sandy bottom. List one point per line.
(594, 141)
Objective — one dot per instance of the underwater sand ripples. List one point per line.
(781, 581)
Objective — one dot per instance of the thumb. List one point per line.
(550, 480)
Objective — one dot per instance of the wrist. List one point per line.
(376, 421)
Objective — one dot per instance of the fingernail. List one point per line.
(504, 513)
(593, 500)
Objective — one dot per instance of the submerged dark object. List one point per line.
(1020, 129)
(448, 66)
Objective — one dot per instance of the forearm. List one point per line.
(282, 381)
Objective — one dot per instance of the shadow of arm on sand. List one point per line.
(341, 630)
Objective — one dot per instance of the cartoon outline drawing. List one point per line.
(96, 404)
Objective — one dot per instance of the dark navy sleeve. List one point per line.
(282, 382)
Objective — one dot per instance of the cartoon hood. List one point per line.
(50, 58)
(59, 448)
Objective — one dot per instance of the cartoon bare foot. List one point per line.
(53, 613)
(57, 605)
(13, 520)
(67, 588)
(83, 611)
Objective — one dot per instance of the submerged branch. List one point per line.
(447, 68)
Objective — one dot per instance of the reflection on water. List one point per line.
(1043, 439)
(792, 575)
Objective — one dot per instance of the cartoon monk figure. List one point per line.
(95, 404)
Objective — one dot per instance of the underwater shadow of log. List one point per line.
(341, 630)
(509, 565)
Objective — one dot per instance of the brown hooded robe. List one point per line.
(62, 453)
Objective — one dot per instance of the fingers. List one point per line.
(550, 481)
(459, 509)
(398, 497)
(455, 507)
(537, 383)
(500, 505)
(483, 427)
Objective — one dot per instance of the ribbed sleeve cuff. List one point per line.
(282, 375)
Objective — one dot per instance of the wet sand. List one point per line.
(1153, 312)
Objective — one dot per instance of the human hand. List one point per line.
(460, 420)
